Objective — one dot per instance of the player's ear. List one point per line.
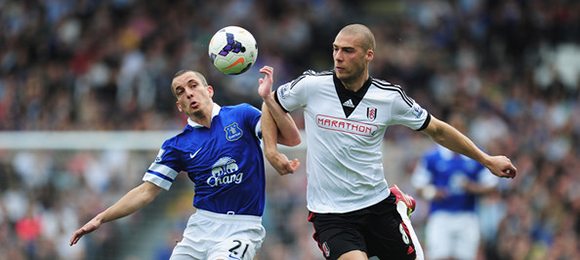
(210, 91)
(178, 106)
(370, 55)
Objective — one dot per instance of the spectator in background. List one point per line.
(452, 183)
(61, 68)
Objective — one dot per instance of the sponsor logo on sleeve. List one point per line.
(284, 90)
(417, 110)
(159, 154)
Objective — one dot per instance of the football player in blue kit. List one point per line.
(453, 184)
(219, 149)
(346, 114)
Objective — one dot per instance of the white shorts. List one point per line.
(211, 235)
(452, 235)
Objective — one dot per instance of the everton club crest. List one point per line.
(233, 132)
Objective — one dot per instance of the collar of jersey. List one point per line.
(214, 112)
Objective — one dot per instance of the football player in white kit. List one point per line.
(219, 149)
(453, 184)
(346, 113)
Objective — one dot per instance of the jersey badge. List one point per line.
(233, 132)
(417, 110)
(371, 113)
(284, 91)
(158, 158)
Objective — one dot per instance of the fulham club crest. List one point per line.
(371, 113)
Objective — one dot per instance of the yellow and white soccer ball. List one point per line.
(233, 50)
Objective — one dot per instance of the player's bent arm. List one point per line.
(269, 135)
(269, 132)
(446, 135)
(286, 129)
(134, 200)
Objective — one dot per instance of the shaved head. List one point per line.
(363, 33)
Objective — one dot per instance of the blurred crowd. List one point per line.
(512, 66)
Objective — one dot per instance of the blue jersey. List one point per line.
(448, 171)
(225, 161)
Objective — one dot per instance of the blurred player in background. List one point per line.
(354, 213)
(452, 183)
(220, 151)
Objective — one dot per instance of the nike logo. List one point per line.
(238, 61)
(191, 155)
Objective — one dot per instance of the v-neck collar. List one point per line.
(349, 100)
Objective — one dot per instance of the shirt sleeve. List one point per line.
(407, 112)
(292, 95)
(253, 117)
(163, 171)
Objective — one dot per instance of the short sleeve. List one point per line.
(292, 95)
(407, 112)
(163, 171)
(252, 117)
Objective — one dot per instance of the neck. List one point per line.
(203, 117)
(356, 83)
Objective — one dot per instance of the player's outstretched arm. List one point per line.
(128, 204)
(288, 133)
(448, 136)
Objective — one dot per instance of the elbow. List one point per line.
(291, 141)
(290, 138)
(294, 142)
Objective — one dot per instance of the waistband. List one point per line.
(227, 217)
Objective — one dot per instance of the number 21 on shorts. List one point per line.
(238, 249)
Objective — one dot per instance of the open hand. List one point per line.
(87, 228)
(265, 83)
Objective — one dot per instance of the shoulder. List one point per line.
(391, 88)
(242, 107)
(314, 75)
(383, 84)
(175, 141)
(387, 86)
(318, 73)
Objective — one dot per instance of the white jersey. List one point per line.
(345, 130)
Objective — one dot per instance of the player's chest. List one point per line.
(371, 108)
(222, 145)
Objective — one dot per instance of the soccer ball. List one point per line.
(233, 50)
